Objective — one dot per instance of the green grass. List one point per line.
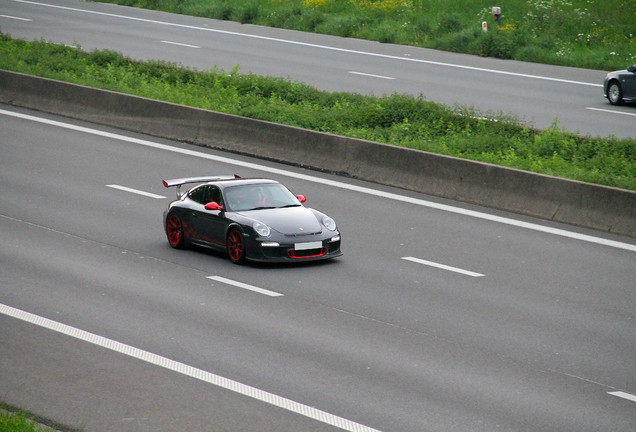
(17, 422)
(581, 33)
(400, 120)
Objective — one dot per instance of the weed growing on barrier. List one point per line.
(16, 422)
(401, 120)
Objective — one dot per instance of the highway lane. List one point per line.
(536, 94)
(537, 342)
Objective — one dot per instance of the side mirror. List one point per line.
(301, 198)
(213, 206)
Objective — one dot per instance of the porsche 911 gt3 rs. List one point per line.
(250, 219)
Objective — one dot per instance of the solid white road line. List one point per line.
(180, 44)
(325, 47)
(611, 111)
(623, 395)
(135, 191)
(245, 286)
(371, 75)
(443, 266)
(333, 183)
(187, 370)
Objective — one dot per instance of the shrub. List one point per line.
(449, 23)
(497, 44)
(249, 14)
(345, 26)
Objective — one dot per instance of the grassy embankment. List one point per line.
(580, 33)
(400, 120)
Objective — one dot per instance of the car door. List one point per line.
(209, 225)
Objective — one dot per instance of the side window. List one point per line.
(206, 194)
(198, 195)
(213, 194)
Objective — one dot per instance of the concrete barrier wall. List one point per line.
(587, 205)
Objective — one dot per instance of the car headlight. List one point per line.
(261, 229)
(329, 223)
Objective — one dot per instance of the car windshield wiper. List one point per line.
(261, 208)
(272, 207)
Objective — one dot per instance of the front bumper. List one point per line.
(273, 251)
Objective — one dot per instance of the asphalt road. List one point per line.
(537, 94)
(439, 317)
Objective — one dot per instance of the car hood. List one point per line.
(620, 72)
(290, 220)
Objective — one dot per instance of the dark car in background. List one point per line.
(250, 219)
(620, 86)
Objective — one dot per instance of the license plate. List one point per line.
(308, 245)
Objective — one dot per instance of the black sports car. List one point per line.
(254, 219)
(620, 86)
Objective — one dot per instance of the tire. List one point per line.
(615, 93)
(174, 231)
(235, 246)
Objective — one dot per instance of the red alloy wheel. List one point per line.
(174, 231)
(235, 247)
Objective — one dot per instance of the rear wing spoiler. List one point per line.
(179, 182)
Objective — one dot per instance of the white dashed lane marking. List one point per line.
(443, 266)
(624, 395)
(180, 44)
(371, 75)
(245, 286)
(135, 191)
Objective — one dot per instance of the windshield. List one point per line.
(259, 196)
